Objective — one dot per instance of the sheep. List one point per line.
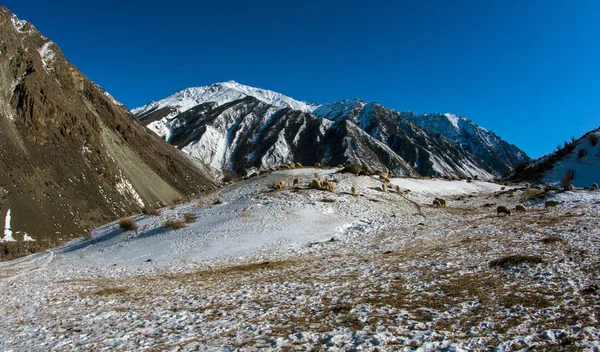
(318, 165)
(298, 165)
(397, 189)
(551, 204)
(502, 210)
(594, 185)
(436, 203)
(441, 201)
(520, 208)
(296, 182)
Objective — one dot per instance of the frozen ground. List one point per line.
(305, 269)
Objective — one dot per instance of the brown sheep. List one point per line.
(442, 202)
(502, 210)
(551, 204)
(298, 165)
(520, 208)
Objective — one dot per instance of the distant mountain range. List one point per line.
(242, 129)
(71, 156)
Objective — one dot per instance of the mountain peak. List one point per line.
(222, 93)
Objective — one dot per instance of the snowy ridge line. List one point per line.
(222, 93)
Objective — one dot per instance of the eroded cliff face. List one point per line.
(71, 156)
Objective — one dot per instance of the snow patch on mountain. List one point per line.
(222, 93)
(47, 55)
(335, 110)
(125, 188)
(17, 23)
(7, 230)
(453, 119)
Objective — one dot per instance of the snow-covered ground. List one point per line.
(303, 269)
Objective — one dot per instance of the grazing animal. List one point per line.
(442, 202)
(317, 165)
(397, 189)
(353, 190)
(520, 208)
(502, 210)
(594, 186)
(502, 188)
(298, 165)
(383, 187)
(436, 203)
(296, 182)
(551, 204)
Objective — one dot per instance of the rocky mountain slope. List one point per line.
(484, 144)
(576, 162)
(70, 155)
(243, 129)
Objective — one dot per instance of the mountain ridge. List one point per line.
(161, 117)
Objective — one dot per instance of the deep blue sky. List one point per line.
(527, 70)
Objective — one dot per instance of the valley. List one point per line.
(302, 268)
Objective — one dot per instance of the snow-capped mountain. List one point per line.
(581, 157)
(71, 156)
(426, 153)
(204, 122)
(248, 135)
(484, 144)
(159, 114)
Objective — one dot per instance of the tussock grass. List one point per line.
(189, 217)
(128, 224)
(515, 260)
(111, 291)
(147, 210)
(175, 224)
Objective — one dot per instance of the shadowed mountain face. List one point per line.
(249, 134)
(243, 129)
(70, 155)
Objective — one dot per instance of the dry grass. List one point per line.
(515, 260)
(189, 217)
(147, 210)
(111, 291)
(552, 240)
(128, 224)
(175, 224)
